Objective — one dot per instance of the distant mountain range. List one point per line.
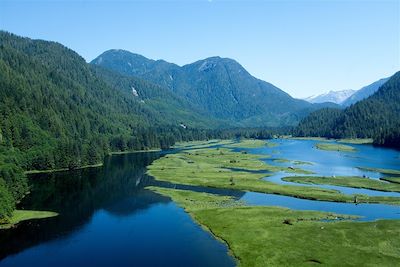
(347, 97)
(376, 116)
(220, 87)
(57, 111)
(337, 97)
(364, 92)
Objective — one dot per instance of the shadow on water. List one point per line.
(108, 209)
(108, 218)
(76, 195)
(202, 189)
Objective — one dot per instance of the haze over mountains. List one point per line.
(219, 86)
(377, 117)
(347, 97)
(58, 111)
(365, 92)
(337, 97)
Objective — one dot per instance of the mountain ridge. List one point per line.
(220, 86)
(337, 97)
(374, 117)
(365, 92)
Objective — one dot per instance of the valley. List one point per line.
(217, 192)
(128, 161)
(256, 231)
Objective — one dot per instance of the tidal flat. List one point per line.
(263, 235)
(272, 236)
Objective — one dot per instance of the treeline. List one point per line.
(389, 138)
(58, 112)
(76, 152)
(376, 117)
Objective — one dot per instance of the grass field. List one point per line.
(272, 236)
(252, 143)
(64, 169)
(216, 168)
(335, 147)
(391, 179)
(201, 144)
(348, 181)
(24, 215)
(356, 141)
(383, 171)
(309, 138)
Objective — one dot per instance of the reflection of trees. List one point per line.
(77, 194)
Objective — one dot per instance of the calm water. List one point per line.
(108, 219)
(329, 163)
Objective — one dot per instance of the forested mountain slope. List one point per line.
(169, 106)
(378, 117)
(364, 92)
(219, 86)
(57, 112)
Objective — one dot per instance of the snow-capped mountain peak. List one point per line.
(337, 97)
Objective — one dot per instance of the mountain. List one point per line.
(377, 116)
(166, 104)
(337, 97)
(57, 111)
(364, 92)
(219, 86)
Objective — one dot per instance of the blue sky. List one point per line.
(303, 47)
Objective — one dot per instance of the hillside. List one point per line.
(378, 117)
(168, 106)
(337, 97)
(364, 92)
(57, 111)
(219, 86)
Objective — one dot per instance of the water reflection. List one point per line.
(107, 218)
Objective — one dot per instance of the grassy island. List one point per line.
(391, 179)
(252, 143)
(347, 181)
(201, 144)
(273, 236)
(223, 168)
(24, 215)
(335, 147)
(383, 171)
(356, 141)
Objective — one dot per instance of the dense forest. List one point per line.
(220, 87)
(58, 112)
(376, 117)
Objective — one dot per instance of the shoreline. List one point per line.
(134, 151)
(26, 215)
(63, 169)
(97, 165)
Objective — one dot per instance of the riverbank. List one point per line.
(25, 215)
(335, 147)
(354, 141)
(134, 151)
(380, 170)
(251, 143)
(202, 144)
(263, 236)
(347, 181)
(64, 169)
(224, 168)
(100, 164)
